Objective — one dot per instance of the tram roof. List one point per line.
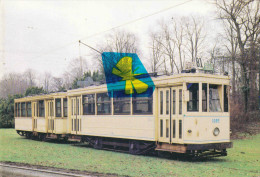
(159, 81)
(164, 81)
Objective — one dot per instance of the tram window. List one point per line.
(15, 112)
(226, 98)
(180, 101)
(167, 101)
(103, 103)
(58, 107)
(193, 103)
(214, 101)
(75, 124)
(161, 102)
(204, 98)
(180, 129)
(29, 109)
(89, 104)
(78, 106)
(65, 107)
(121, 105)
(173, 102)
(143, 105)
(18, 109)
(72, 107)
(174, 129)
(41, 108)
(161, 126)
(23, 110)
(167, 128)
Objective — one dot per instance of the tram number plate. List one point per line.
(215, 120)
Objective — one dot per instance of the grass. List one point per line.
(242, 160)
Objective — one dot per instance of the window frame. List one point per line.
(220, 99)
(226, 98)
(124, 100)
(27, 109)
(65, 107)
(104, 102)
(23, 109)
(149, 101)
(89, 103)
(41, 108)
(206, 97)
(58, 108)
(193, 100)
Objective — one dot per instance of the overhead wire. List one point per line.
(115, 27)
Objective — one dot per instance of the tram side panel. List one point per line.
(23, 123)
(61, 125)
(41, 125)
(127, 127)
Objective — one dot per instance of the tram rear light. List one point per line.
(216, 131)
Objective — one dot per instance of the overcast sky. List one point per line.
(43, 35)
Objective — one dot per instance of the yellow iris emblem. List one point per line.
(124, 70)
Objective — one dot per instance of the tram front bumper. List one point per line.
(211, 146)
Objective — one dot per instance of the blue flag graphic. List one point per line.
(126, 76)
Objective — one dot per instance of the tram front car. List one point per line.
(198, 122)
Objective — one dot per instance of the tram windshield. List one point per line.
(214, 98)
(193, 103)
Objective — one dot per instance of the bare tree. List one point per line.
(232, 47)
(11, 84)
(195, 35)
(77, 67)
(57, 84)
(30, 77)
(156, 52)
(179, 39)
(244, 18)
(67, 80)
(47, 78)
(118, 41)
(168, 46)
(214, 53)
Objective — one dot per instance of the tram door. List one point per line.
(170, 114)
(75, 112)
(164, 114)
(50, 107)
(34, 115)
(176, 114)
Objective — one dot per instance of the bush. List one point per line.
(7, 111)
(239, 119)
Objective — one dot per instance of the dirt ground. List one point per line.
(59, 169)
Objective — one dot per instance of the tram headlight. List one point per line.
(216, 131)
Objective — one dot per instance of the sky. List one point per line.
(44, 35)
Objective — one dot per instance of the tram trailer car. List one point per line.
(188, 113)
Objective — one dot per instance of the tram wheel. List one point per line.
(98, 143)
(28, 135)
(134, 147)
(42, 137)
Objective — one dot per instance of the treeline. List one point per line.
(7, 106)
(16, 86)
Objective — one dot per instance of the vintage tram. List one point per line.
(187, 113)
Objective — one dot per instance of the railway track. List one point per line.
(35, 170)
